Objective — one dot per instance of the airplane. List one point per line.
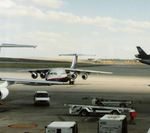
(143, 57)
(10, 81)
(64, 74)
(4, 92)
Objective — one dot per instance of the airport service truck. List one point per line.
(85, 110)
(111, 102)
(62, 127)
(41, 98)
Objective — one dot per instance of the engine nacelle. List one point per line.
(73, 76)
(84, 76)
(42, 75)
(34, 75)
(3, 93)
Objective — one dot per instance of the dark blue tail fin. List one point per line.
(142, 54)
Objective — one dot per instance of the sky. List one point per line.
(106, 28)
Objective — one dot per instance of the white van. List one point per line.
(41, 98)
(62, 127)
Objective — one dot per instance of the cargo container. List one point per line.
(62, 127)
(112, 124)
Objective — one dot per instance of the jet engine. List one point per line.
(42, 75)
(73, 76)
(84, 76)
(34, 75)
(3, 93)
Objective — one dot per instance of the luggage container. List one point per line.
(112, 124)
(62, 127)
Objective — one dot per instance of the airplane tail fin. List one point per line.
(142, 53)
(75, 59)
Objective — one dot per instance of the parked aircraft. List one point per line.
(64, 74)
(10, 81)
(143, 57)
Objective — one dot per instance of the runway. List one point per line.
(19, 115)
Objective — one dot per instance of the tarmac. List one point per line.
(19, 115)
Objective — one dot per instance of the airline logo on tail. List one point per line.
(143, 57)
(142, 54)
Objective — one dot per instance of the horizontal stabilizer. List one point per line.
(75, 55)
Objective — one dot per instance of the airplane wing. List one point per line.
(10, 45)
(35, 70)
(67, 70)
(30, 81)
(86, 71)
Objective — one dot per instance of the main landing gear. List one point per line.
(71, 82)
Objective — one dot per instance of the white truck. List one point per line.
(62, 127)
(85, 110)
(41, 98)
(111, 102)
(112, 124)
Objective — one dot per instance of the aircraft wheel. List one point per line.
(84, 113)
(123, 105)
(71, 82)
(115, 112)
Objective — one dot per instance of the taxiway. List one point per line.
(19, 115)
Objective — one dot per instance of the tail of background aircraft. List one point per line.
(142, 54)
(141, 51)
(75, 59)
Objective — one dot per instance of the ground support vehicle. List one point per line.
(85, 110)
(41, 98)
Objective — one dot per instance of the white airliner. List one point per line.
(53, 76)
(64, 74)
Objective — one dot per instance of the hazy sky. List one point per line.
(107, 28)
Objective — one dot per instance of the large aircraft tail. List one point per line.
(75, 59)
(142, 54)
